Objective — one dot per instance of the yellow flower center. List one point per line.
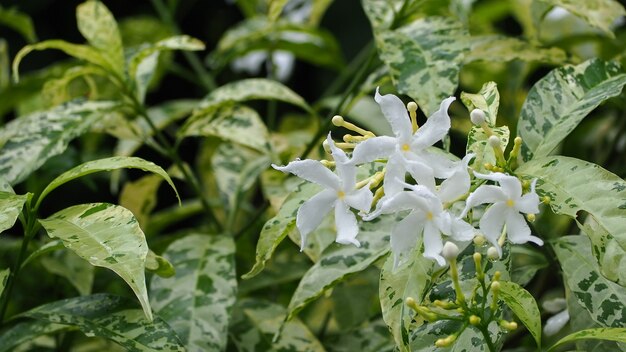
(510, 203)
(429, 216)
(341, 194)
(406, 147)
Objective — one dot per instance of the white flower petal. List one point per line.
(511, 185)
(312, 171)
(312, 212)
(433, 243)
(360, 199)
(435, 128)
(442, 167)
(484, 194)
(347, 227)
(395, 171)
(372, 149)
(422, 173)
(492, 222)
(395, 112)
(346, 172)
(462, 231)
(517, 229)
(555, 323)
(402, 201)
(458, 184)
(404, 237)
(443, 220)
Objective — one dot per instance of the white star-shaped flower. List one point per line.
(508, 204)
(340, 193)
(407, 151)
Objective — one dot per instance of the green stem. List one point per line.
(205, 77)
(487, 337)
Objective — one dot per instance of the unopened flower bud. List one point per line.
(326, 146)
(479, 240)
(508, 325)
(531, 217)
(492, 253)
(495, 286)
(494, 141)
(450, 251)
(446, 342)
(338, 120)
(477, 117)
(474, 320)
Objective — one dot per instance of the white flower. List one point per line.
(508, 203)
(407, 151)
(427, 217)
(340, 193)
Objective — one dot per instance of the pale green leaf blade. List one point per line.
(4, 275)
(26, 331)
(18, 21)
(28, 141)
(610, 334)
(523, 304)
(598, 13)
(424, 336)
(374, 337)
(10, 206)
(197, 301)
(140, 197)
(381, 13)
(410, 279)
(558, 102)
(255, 323)
(424, 59)
(239, 124)
(275, 8)
(496, 48)
(277, 228)
(72, 267)
(98, 26)
(339, 261)
(573, 186)
(108, 316)
(108, 236)
(487, 100)
(604, 300)
(107, 164)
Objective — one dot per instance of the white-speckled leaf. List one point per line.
(410, 279)
(26, 331)
(558, 102)
(97, 25)
(574, 187)
(10, 208)
(598, 13)
(28, 141)
(608, 334)
(107, 164)
(423, 337)
(109, 316)
(197, 301)
(424, 58)
(339, 261)
(496, 48)
(255, 323)
(374, 337)
(108, 236)
(604, 300)
(381, 13)
(238, 124)
(523, 304)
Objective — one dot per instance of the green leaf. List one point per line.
(604, 300)
(108, 236)
(4, 275)
(159, 265)
(558, 102)
(575, 186)
(248, 89)
(598, 13)
(18, 21)
(27, 331)
(28, 141)
(487, 100)
(275, 8)
(97, 25)
(108, 316)
(239, 124)
(106, 164)
(424, 59)
(410, 279)
(140, 197)
(611, 334)
(197, 301)
(255, 322)
(526, 261)
(81, 52)
(374, 337)
(381, 13)
(10, 206)
(423, 337)
(523, 304)
(496, 48)
(338, 261)
(277, 228)
(72, 267)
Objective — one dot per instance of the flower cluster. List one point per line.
(437, 204)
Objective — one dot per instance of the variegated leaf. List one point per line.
(381, 13)
(197, 301)
(72, 267)
(239, 124)
(275, 7)
(26, 331)
(339, 261)
(374, 337)
(424, 59)
(28, 141)
(107, 164)
(10, 208)
(609, 334)
(604, 300)
(496, 48)
(106, 235)
(423, 337)
(109, 317)
(256, 322)
(523, 304)
(575, 186)
(396, 284)
(598, 13)
(558, 102)
(97, 25)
